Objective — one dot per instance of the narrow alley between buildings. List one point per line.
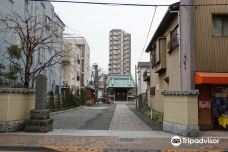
(116, 116)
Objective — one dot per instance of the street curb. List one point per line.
(25, 148)
(57, 112)
(112, 118)
(43, 149)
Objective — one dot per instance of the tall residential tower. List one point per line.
(119, 52)
(119, 79)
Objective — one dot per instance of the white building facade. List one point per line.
(71, 64)
(85, 61)
(76, 62)
(42, 13)
(142, 84)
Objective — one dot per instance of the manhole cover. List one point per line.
(127, 139)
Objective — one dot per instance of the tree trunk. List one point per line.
(27, 80)
(28, 68)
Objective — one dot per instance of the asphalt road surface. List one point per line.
(97, 117)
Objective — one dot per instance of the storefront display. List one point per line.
(213, 100)
(223, 121)
(220, 106)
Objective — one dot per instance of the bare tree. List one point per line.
(96, 74)
(35, 37)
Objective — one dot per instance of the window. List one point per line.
(152, 91)
(57, 30)
(47, 23)
(78, 59)
(157, 52)
(82, 65)
(48, 20)
(43, 10)
(78, 77)
(82, 80)
(82, 48)
(174, 38)
(39, 57)
(220, 25)
(155, 56)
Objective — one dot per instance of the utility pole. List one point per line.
(96, 80)
(136, 86)
(105, 88)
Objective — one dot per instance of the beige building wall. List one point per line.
(211, 51)
(16, 106)
(3, 107)
(181, 110)
(149, 98)
(159, 84)
(172, 72)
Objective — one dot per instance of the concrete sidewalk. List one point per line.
(102, 133)
(128, 134)
(101, 144)
(125, 120)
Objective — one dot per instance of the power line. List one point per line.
(152, 20)
(73, 37)
(70, 34)
(79, 36)
(130, 4)
(99, 3)
(77, 32)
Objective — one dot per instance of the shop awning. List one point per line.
(211, 78)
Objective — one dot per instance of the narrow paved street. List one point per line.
(117, 116)
(124, 119)
(86, 118)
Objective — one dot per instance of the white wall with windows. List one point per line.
(142, 85)
(77, 49)
(44, 14)
(71, 63)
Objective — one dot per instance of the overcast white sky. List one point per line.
(95, 21)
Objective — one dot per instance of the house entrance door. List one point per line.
(121, 95)
(205, 111)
